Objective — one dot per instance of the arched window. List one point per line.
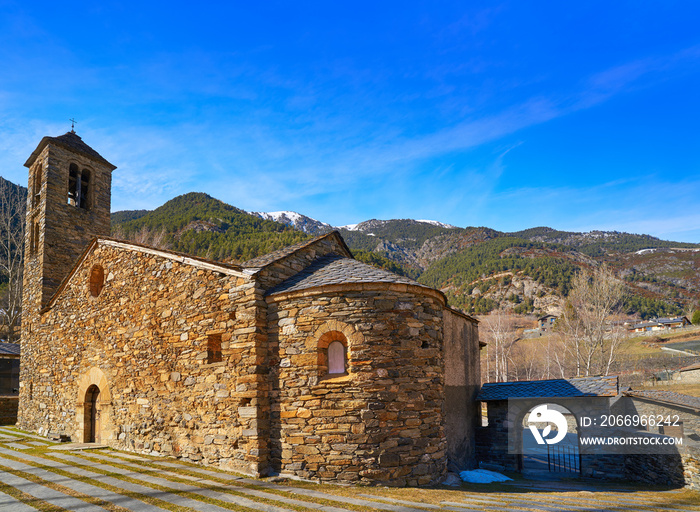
(73, 185)
(36, 186)
(97, 280)
(84, 186)
(336, 357)
(332, 354)
(78, 187)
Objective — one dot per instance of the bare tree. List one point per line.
(526, 360)
(586, 323)
(144, 236)
(12, 219)
(500, 334)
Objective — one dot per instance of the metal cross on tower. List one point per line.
(72, 124)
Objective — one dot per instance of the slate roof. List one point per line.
(674, 320)
(667, 397)
(555, 388)
(9, 349)
(71, 141)
(691, 367)
(267, 259)
(660, 321)
(334, 269)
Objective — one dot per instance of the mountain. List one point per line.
(598, 243)
(200, 225)
(297, 221)
(479, 268)
(127, 215)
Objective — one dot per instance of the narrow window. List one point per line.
(214, 349)
(73, 185)
(34, 238)
(97, 280)
(36, 187)
(84, 187)
(336, 358)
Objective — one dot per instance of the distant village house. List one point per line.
(659, 324)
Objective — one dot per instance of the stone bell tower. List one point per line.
(68, 204)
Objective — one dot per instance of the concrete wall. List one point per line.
(462, 382)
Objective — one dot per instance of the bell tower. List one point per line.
(68, 204)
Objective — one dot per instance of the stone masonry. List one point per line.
(158, 352)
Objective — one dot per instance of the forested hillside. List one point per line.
(598, 243)
(479, 269)
(200, 225)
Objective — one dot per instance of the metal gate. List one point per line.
(563, 458)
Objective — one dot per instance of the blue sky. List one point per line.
(511, 115)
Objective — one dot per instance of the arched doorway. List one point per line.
(93, 409)
(550, 441)
(91, 415)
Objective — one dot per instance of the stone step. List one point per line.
(304, 492)
(180, 487)
(18, 446)
(10, 504)
(81, 487)
(115, 482)
(47, 494)
(22, 434)
(557, 503)
(38, 443)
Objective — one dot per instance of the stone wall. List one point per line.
(679, 469)
(689, 376)
(64, 230)
(505, 427)
(144, 341)
(689, 418)
(492, 440)
(462, 383)
(676, 470)
(8, 410)
(384, 420)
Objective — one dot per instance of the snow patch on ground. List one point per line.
(482, 476)
(350, 227)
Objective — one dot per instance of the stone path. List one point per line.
(32, 476)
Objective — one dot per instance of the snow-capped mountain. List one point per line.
(297, 221)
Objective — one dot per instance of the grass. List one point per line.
(501, 494)
(28, 499)
(675, 386)
(111, 507)
(497, 495)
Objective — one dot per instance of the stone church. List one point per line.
(304, 362)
